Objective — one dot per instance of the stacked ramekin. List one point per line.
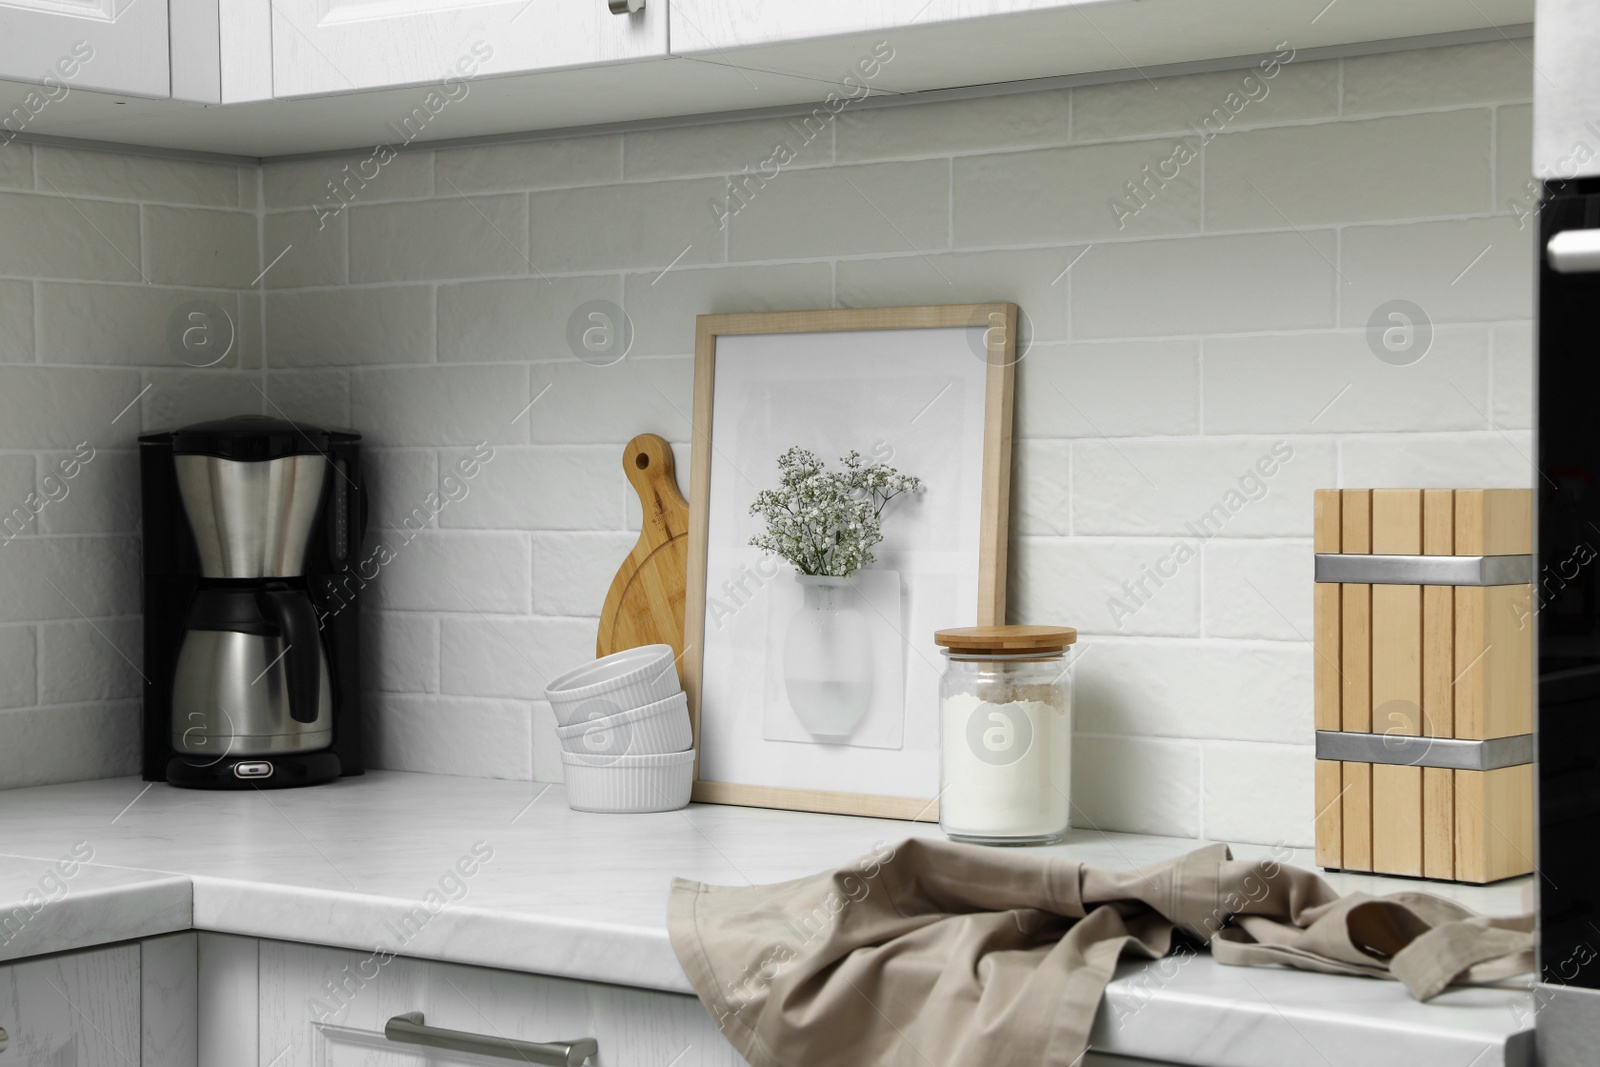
(626, 743)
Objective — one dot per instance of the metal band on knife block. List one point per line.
(1364, 569)
(1410, 750)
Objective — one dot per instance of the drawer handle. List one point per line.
(625, 7)
(5, 1039)
(409, 1029)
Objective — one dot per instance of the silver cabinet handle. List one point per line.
(1575, 251)
(625, 7)
(409, 1029)
(4, 1039)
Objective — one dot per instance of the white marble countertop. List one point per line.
(352, 864)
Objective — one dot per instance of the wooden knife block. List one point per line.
(1428, 661)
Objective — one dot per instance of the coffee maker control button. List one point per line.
(258, 769)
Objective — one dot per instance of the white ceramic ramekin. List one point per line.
(654, 728)
(619, 682)
(628, 784)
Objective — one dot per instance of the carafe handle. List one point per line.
(291, 612)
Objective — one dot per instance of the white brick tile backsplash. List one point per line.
(399, 652)
(129, 177)
(200, 246)
(1387, 168)
(57, 407)
(441, 405)
(18, 478)
(663, 307)
(306, 182)
(1513, 376)
(1136, 785)
(1513, 159)
(1258, 589)
(320, 397)
(248, 333)
(1259, 793)
(1079, 582)
(16, 166)
(572, 572)
(341, 327)
(1269, 281)
(1335, 383)
(43, 578)
(1216, 100)
(18, 678)
(448, 735)
(1198, 489)
(722, 148)
(1041, 478)
(1109, 389)
(112, 325)
(16, 322)
(177, 398)
(953, 126)
(635, 226)
(399, 481)
(608, 405)
(545, 164)
(1491, 460)
(69, 744)
(562, 488)
(1067, 194)
(300, 249)
(881, 207)
(512, 657)
(52, 236)
(454, 571)
(1439, 77)
(1031, 279)
(1250, 691)
(458, 237)
(1463, 270)
(102, 497)
(82, 661)
(546, 745)
(1176, 349)
(518, 320)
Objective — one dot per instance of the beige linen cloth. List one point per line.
(933, 954)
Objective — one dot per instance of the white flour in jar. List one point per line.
(1007, 765)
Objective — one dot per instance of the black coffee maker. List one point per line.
(251, 654)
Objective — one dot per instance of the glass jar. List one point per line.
(1005, 717)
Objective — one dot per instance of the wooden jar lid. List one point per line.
(1002, 639)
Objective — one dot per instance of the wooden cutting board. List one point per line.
(645, 604)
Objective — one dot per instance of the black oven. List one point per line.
(1567, 602)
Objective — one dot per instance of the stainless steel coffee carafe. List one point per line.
(252, 676)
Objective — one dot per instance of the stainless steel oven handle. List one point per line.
(1575, 252)
(409, 1029)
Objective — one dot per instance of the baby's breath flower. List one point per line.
(826, 522)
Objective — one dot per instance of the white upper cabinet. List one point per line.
(1566, 93)
(339, 46)
(935, 44)
(60, 45)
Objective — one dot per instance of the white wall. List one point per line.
(97, 250)
(1228, 315)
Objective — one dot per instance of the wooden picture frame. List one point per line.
(996, 348)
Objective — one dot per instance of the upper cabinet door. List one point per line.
(116, 45)
(709, 25)
(338, 46)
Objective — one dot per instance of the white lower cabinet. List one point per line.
(308, 1006)
(76, 1009)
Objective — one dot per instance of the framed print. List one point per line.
(850, 484)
